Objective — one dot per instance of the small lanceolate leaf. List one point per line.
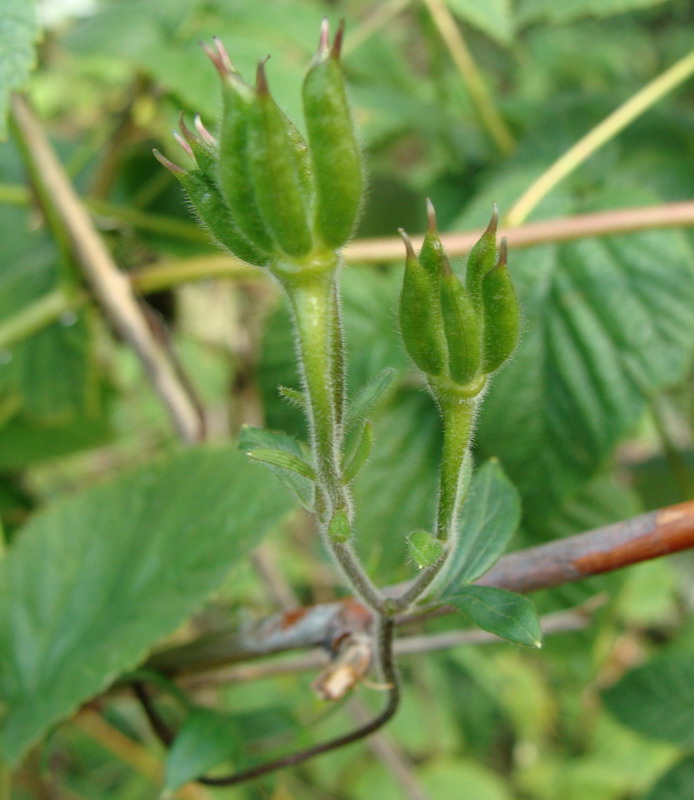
(356, 457)
(367, 397)
(299, 477)
(206, 739)
(657, 698)
(506, 614)
(19, 29)
(490, 516)
(76, 582)
(335, 151)
(283, 460)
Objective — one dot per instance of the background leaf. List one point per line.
(608, 322)
(94, 581)
(567, 10)
(19, 29)
(676, 784)
(492, 17)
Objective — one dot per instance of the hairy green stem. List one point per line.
(313, 295)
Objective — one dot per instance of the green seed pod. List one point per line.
(233, 167)
(501, 314)
(421, 326)
(339, 528)
(277, 172)
(425, 549)
(432, 255)
(213, 213)
(481, 259)
(462, 329)
(335, 152)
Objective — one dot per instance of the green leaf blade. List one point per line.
(488, 520)
(506, 614)
(94, 581)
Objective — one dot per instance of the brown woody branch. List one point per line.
(111, 286)
(652, 535)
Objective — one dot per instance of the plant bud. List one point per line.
(501, 314)
(334, 149)
(277, 172)
(339, 528)
(481, 259)
(424, 548)
(421, 326)
(213, 213)
(233, 168)
(461, 327)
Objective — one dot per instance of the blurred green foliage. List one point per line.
(592, 420)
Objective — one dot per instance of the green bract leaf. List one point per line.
(676, 784)
(489, 518)
(260, 439)
(19, 29)
(503, 613)
(94, 581)
(607, 323)
(206, 739)
(657, 699)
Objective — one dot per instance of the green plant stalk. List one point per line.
(38, 315)
(313, 294)
(458, 416)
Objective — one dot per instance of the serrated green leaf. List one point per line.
(205, 739)
(19, 30)
(300, 482)
(492, 17)
(94, 581)
(568, 10)
(506, 614)
(488, 520)
(657, 698)
(608, 322)
(676, 784)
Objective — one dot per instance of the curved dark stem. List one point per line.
(384, 640)
(159, 726)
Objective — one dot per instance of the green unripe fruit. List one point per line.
(481, 259)
(421, 326)
(462, 329)
(424, 548)
(278, 173)
(233, 166)
(335, 152)
(501, 314)
(213, 213)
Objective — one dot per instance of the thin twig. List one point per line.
(657, 533)
(613, 124)
(109, 284)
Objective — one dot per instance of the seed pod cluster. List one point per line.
(452, 331)
(262, 190)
